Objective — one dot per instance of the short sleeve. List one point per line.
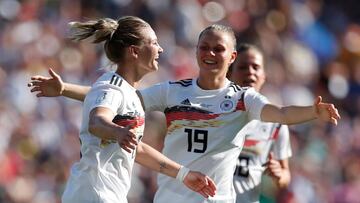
(254, 103)
(155, 97)
(107, 97)
(282, 147)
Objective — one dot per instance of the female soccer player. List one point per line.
(113, 116)
(265, 143)
(204, 116)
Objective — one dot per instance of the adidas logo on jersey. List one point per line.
(186, 102)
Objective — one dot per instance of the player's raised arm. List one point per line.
(299, 114)
(54, 86)
(196, 181)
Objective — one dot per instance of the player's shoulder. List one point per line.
(181, 83)
(237, 91)
(110, 79)
(237, 88)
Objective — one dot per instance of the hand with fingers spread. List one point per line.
(127, 139)
(200, 183)
(326, 111)
(47, 86)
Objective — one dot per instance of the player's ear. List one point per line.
(134, 51)
(233, 57)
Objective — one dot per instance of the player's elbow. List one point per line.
(93, 125)
(92, 129)
(274, 114)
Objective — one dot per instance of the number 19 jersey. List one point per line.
(202, 133)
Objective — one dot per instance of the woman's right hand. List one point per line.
(47, 86)
(127, 139)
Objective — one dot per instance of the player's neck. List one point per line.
(211, 83)
(130, 75)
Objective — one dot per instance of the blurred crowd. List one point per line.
(312, 47)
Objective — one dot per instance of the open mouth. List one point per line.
(209, 62)
(249, 82)
(156, 59)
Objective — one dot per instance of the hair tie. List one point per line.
(114, 25)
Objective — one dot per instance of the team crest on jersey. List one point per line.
(226, 105)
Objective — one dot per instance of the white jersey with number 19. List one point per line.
(202, 128)
(104, 170)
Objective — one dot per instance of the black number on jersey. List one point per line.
(242, 167)
(197, 136)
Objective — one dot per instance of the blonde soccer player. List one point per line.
(204, 115)
(113, 117)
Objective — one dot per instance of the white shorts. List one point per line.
(88, 188)
(165, 196)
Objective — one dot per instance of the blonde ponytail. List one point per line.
(117, 35)
(101, 30)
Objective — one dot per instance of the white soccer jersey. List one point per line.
(260, 139)
(202, 129)
(104, 170)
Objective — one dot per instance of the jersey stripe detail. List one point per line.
(186, 109)
(179, 115)
(116, 80)
(125, 120)
(275, 135)
(250, 142)
(184, 83)
(236, 87)
(241, 104)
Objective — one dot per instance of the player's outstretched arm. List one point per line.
(298, 114)
(155, 129)
(196, 181)
(54, 86)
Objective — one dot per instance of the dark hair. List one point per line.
(221, 28)
(244, 47)
(117, 35)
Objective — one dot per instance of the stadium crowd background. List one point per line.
(312, 47)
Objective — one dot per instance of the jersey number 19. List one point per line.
(197, 136)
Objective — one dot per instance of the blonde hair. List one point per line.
(221, 28)
(117, 35)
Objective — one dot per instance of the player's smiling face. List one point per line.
(215, 51)
(150, 50)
